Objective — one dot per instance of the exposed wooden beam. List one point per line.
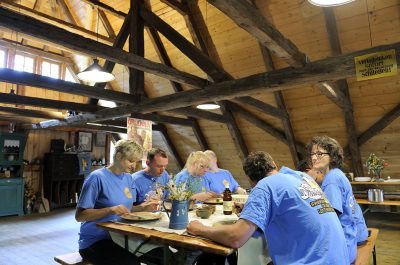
(28, 79)
(246, 16)
(136, 46)
(187, 48)
(265, 107)
(9, 44)
(200, 114)
(67, 13)
(76, 42)
(170, 145)
(178, 6)
(162, 119)
(331, 69)
(106, 8)
(32, 113)
(277, 134)
(164, 58)
(106, 23)
(378, 126)
(343, 96)
(44, 18)
(47, 103)
(334, 93)
(234, 131)
(199, 135)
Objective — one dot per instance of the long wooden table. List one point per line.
(170, 239)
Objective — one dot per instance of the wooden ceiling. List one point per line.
(283, 71)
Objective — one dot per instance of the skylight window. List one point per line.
(51, 69)
(23, 63)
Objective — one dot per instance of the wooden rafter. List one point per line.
(245, 15)
(106, 23)
(343, 96)
(170, 145)
(57, 22)
(164, 58)
(331, 69)
(32, 113)
(47, 103)
(67, 13)
(28, 79)
(106, 8)
(60, 36)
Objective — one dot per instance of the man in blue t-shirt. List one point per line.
(150, 182)
(293, 213)
(216, 176)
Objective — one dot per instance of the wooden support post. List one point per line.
(136, 46)
(343, 96)
(170, 145)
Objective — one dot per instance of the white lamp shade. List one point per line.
(326, 3)
(95, 73)
(208, 106)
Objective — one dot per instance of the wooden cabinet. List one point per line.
(12, 147)
(62, 179)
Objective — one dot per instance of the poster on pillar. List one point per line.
(141, 132)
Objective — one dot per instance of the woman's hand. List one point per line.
(148, 206)
(202, 196)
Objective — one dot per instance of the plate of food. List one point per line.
(141, 216)
(214, 201)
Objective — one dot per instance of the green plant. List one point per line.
(375, 164)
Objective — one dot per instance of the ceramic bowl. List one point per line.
(203, 213)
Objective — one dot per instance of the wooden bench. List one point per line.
(364, 252)
(71, 259)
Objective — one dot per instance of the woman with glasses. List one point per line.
(195, 168)
(327, 157)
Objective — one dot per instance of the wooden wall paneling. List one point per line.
(170, 146)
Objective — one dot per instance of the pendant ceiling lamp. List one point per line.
(327, 3)
(208, 106)
(95, 73)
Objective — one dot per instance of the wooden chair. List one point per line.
(364, 252)
(71, 259)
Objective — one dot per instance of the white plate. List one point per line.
(141, 216)
(359, 179)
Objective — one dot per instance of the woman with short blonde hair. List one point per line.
(195, 168)
(108, 193)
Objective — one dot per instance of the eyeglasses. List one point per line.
(318, 154)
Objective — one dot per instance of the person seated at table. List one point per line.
(362, 230)
(216, 176)
(327, 157)
(291, 211)
(106, 194)
(150, 181)
(195, 168)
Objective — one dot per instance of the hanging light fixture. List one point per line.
(327, 3)
(95, 73)
(208, 106)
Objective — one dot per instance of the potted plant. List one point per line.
(375, 165)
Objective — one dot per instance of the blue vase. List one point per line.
(179, 215)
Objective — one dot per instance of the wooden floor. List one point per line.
(36, 239)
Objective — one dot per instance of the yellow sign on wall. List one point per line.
(376, 65)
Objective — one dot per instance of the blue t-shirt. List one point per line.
(340, 194)
(145, 183)
(215, 179)
(362, 230)
(198, 184)
(297, 220)
(103, 189)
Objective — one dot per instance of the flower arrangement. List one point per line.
(375, 164)
(181, 191)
